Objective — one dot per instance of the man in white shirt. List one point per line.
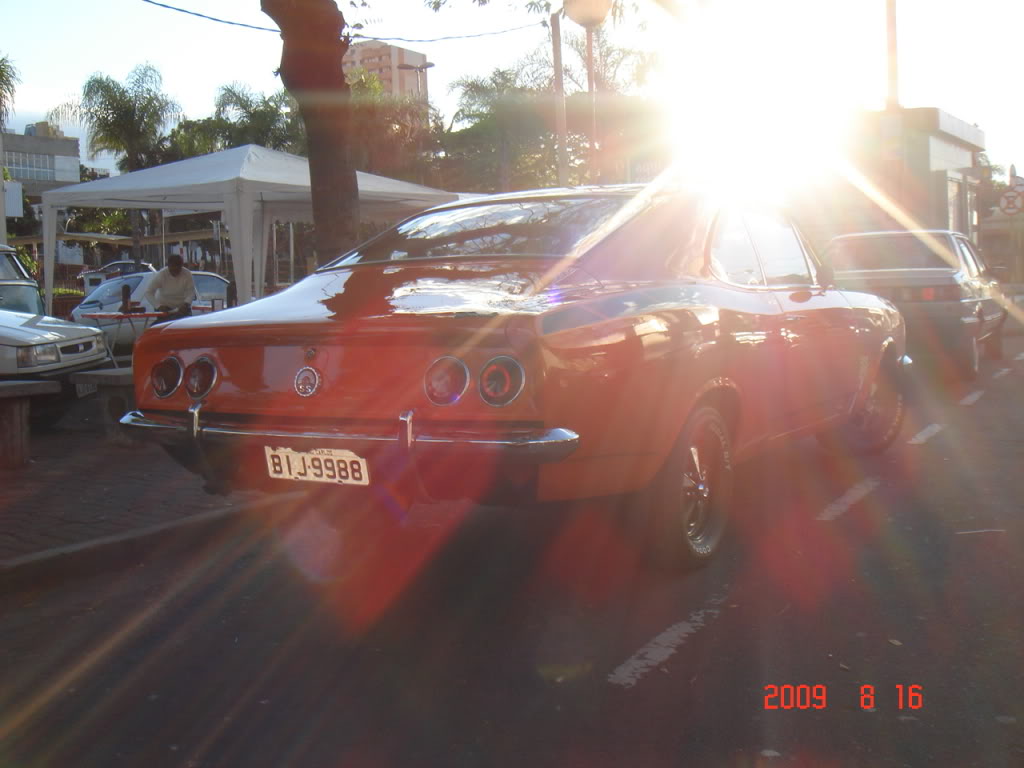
(175, 287)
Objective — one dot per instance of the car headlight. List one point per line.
(40, 354)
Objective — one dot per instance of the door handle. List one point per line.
(795, 317)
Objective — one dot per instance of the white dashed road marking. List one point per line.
(848, 499)
(925, 434)
(982, 530)
(1000, 373)
(662, 647)
(972, 398)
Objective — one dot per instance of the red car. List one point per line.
(539, 346)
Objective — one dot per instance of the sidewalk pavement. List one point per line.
(81, 488)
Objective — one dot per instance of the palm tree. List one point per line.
(253, 118)
(127, 119)
(8, 80)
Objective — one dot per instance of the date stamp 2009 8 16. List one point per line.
(816, 697)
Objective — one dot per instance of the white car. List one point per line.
(36, 347)
(93, 277)
(211, 288)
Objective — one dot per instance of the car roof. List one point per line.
(547, 193)
(885, 232)
(19, 281)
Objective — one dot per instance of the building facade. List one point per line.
(915, 169)
(41, 159)
(383, 60)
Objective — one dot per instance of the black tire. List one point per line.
(969, 358)
(876, 421)
(681, 518)
(994, 344)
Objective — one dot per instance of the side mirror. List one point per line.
(826, 276)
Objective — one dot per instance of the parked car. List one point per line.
(34, 346)
(91, 278)
(948, 295)
(540, 346)
(210, 286)
(18, 291)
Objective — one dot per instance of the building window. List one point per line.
(29, 166)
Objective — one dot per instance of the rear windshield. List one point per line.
(895, 252)
(549, 227)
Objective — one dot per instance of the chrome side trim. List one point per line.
(541, 446)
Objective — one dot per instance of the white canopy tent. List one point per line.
(252, 186)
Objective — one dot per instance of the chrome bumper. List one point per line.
(537, 447)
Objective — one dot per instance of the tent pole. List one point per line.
(291, 252)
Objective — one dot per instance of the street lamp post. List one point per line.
(419, 69)
(590, 14)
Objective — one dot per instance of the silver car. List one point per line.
(949, 297)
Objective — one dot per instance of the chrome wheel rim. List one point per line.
(699, 486)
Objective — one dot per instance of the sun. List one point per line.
(760, 94)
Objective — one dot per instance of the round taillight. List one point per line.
(200, 378)
(501, 381)
(446, 380)
(166, 377)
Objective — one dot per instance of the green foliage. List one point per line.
(126, 119)
(104, 221)
(24, 255)
(251, 118)
(191, 138)
(389, 136)
(8, 82)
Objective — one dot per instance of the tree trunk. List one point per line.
(135, 220)
(311, 55)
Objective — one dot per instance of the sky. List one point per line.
(784, 62)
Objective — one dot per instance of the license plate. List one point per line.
(85, 389)
(321, 465)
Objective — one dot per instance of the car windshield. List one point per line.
(544, 227)
(21, 298)
(888, 252)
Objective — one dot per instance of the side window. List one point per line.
(782, 255)
(732, 254)
(207, 286)
(107, 292)
(979, 262)
(968, 256)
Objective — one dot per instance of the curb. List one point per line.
(116, 552)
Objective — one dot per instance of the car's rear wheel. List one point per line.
(876, 420)
(683, 515)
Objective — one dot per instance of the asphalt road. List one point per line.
(890, 588)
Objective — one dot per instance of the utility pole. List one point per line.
(560, 126)
(893, 99)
